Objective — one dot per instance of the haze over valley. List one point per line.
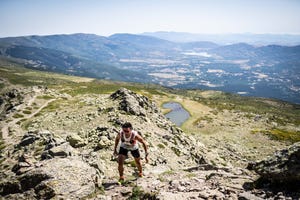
(270, 70)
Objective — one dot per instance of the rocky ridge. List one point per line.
(69, 155)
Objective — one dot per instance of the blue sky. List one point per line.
(106, 17)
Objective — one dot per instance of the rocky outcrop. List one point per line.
(133, 103)
(61, 177)
(9, 101)
(47, 167)
(282, 167)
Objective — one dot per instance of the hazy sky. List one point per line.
(105, 17)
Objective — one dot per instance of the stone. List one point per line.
(69, 177)
(63, 150)
(32, 179)
(27, 139)
(248, 196)
(75, 140)
(283, 166)
(104, 142)
(10, 187)
(43, 191)
(133, 103)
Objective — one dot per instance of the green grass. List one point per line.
(281, 112)
(18, 115)
(280, 134)
(46, 97)
(161, 146)
(28, 108)
(53, 106)
(204, 118)
(27, 112)
(107, 87)
(176, 151)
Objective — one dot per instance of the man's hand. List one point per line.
(115, 152)
(146, 158)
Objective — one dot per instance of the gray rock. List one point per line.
(9, 187)
(104, 142)
(32, 179)
(27, 139)
(248, 196)
(133, 103)
(283, 166)
(67, 177)
(63, 150)
(75, 140)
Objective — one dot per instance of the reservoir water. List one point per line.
(178, 114)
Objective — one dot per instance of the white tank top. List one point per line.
(129, 143)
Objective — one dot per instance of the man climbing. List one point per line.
(129, 140)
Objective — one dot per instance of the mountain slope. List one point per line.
(63, 62)
(59, 135)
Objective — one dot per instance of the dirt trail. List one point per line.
(5, 128)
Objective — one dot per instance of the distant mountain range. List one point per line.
(268, 71)
(230, 38)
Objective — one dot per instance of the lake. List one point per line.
(178, 114)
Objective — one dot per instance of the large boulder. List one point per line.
(70, 177)
(58, 178)
(283, 166)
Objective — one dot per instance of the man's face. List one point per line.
(126, 130)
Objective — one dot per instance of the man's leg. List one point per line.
(137, 159)
(139, 165)
(121, 159)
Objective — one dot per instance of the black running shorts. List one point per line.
(135, 153)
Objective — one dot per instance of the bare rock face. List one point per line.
(283, 166)
(133, 103)
(48, 167)
(69, 177)
(60, 177)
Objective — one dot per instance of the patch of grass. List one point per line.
(27, 112)
(162, 176)
(18, 115)
(131, 163)
(168, 172)
(191, 175)
(53, 106)
(176, 151)
(204, 118)
(2, 85)
(98, 190)
(280, 134)
(138, 193)
(46, 97)
(2, 145)
(26, 125)
(283, 112)
(161, 146)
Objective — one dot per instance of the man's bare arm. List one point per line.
(116, 143)
(141, 140)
